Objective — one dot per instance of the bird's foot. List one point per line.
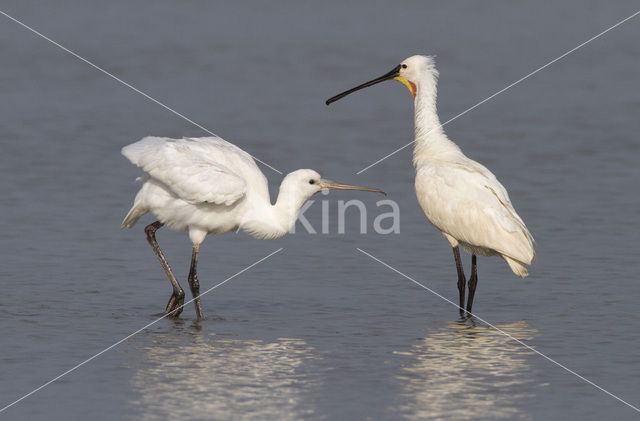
(175, 305)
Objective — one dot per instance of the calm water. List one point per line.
(318, 331)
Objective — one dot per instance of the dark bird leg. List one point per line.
(174, 306)
(473, 281)
(461, 278)
(194, 284)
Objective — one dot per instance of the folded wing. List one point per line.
(466, 201)
(198, 170)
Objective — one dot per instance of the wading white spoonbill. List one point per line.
(209, 186)
(458, 195)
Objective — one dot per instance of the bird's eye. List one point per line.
(404, 66)
(312, 182)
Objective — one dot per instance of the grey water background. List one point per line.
(319, 330)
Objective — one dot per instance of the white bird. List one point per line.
(209, 186)
(461, 197)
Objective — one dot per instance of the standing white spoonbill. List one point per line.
(461, 197)
(208, 185)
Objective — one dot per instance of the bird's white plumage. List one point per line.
(197, 170)
(458, 195)
(474, 209)
(208, 185)
(203, 185)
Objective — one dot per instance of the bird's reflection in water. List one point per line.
(467, 371)
(213, 378)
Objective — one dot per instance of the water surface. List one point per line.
(319, 330)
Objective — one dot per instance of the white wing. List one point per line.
(198, 170)
(466, 201)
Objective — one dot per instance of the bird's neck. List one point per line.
(274, 221)
(431, 142)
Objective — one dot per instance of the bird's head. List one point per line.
(305, 183)
(412, 72)
(296, 188)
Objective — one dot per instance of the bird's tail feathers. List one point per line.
(132, 217)
(517, 266)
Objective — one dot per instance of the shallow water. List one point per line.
(319, 330)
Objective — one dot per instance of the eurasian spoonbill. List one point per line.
(209, 186)
(458, 195)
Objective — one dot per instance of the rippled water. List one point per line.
(436, 376)
(226, 377)
(319, 330)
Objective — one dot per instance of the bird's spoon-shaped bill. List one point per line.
(332, 185)
(387, 76)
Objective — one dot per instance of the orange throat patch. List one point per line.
(410, 85)
(413, 89)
